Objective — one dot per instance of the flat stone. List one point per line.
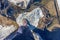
(32, 16)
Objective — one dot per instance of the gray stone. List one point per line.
(32, 16)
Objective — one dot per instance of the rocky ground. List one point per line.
(51, 7)
(48, 4)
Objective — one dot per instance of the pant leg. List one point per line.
(18, 36)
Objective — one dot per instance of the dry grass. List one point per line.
(6, 21)
(51, 7)
(49, 4)
(44, 2)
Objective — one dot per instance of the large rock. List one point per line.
(7, 26)
(21, 3)
(32, 16)
(6, 30)
(58, 2)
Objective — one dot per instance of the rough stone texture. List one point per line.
(6, 23)
(7, 26)
(6, 30)
(21, 3)
(32, 16)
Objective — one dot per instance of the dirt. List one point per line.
(7, 21)
(49, 4)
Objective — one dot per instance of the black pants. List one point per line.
(22, 37)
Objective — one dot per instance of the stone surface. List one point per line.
(32, 16)
(58, 1)
(6, 30)
(21, 3)
(7, 26)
